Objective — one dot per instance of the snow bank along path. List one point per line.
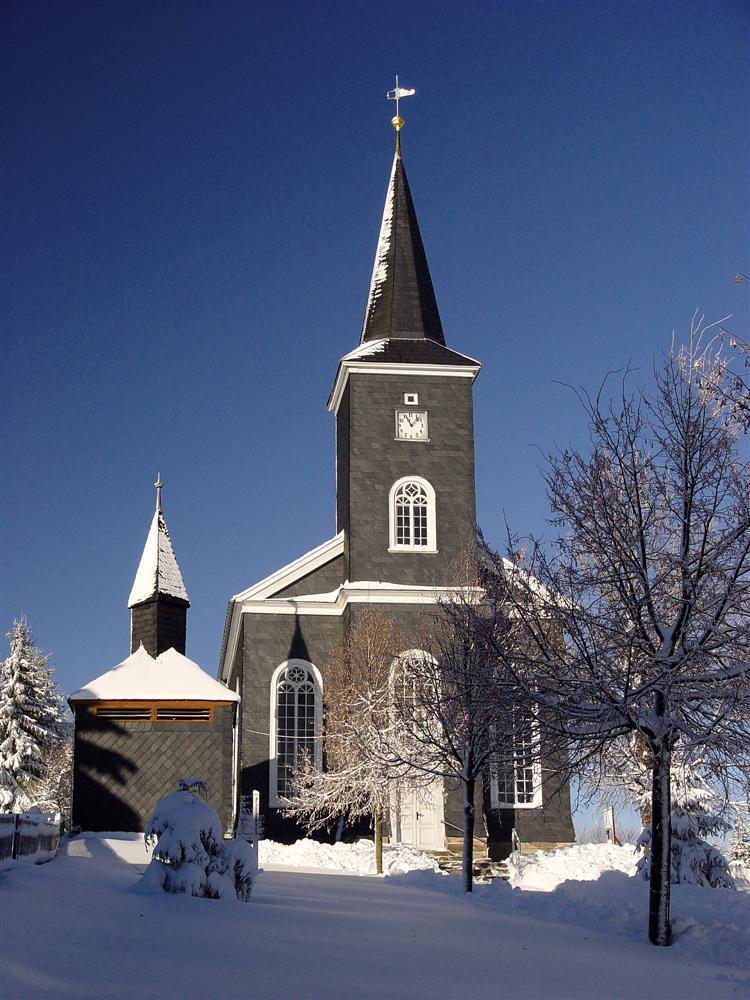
(77, 929)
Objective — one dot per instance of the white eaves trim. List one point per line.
(350, 593)
(383, 368)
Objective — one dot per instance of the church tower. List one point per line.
(158, 601)
(405, 517)
(405, 497)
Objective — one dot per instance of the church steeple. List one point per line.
(402, 301)
(158, 600)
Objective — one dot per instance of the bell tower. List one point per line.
(405, 494)
(158, 600)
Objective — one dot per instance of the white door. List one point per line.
(419, 818)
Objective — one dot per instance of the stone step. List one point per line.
(483, 869)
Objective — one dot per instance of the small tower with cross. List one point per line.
(158, 600)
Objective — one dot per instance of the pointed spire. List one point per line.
(158, 572)
(402, 301)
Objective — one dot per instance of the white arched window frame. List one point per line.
(403, 682)
(411, 516)
(516, 781)
(296, 721)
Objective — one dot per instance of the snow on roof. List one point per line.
(171, 676)
(369, 347)
(158, 572)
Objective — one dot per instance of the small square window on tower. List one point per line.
(411, 398)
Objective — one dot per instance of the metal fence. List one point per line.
(33, 836)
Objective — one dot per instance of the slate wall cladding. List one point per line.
(159, 625)
(550, 824)
(377, 460)
(269, 640)
(121, 769)
(321, 581)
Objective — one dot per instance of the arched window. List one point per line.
(412, 515)
(296, 711)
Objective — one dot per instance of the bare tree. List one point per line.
(453, 710)
(357, 781)
(648, 585)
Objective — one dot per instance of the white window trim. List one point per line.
(536, 777)
(273, 770)
(431, 545)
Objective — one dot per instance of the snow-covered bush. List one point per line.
(197, 786)
(696, 814)
(231, 871)
(189, 853)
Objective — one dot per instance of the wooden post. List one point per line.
(379, 840)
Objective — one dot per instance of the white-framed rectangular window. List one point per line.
(411, 399)
(516, 778)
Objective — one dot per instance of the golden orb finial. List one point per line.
(398, 122)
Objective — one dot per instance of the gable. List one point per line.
(322, 580)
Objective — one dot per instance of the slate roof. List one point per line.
(158, 572)
(401, 303)
(417, 351)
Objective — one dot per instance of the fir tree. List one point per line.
(739, 853)
(697, 813)
(30, 718)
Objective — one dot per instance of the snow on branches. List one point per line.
(697, 813)
(637, 618)
(189, 853)
(357, 781)
(31, 724)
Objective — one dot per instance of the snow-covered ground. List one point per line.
(544, 871)
(354, 859)
(76, 928)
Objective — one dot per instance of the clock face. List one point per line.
(411, 425)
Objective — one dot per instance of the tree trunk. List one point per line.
(467, 862)
(660, 874)
(379, 841)
(644, 761)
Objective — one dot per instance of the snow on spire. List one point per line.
(158, 572)
(401, 303)
(383, 252)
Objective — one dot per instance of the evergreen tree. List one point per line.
(697, 813)
(739, 853)
(30, 718)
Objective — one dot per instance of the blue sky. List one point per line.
(192, 197)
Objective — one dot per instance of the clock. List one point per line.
(411, 425)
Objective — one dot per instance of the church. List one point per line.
(402, 402)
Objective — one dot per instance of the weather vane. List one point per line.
(395, 95)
